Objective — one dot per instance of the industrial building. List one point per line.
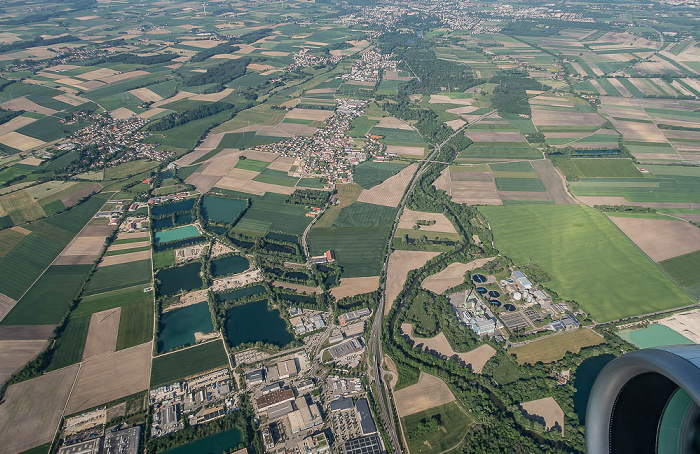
(522, 280)
(255, 377)
(305, 417)
(341, 404)
(287, 369)
(315, 444)
(349, 317)
(369, 444)
(365, 415)
(125, 441)
(274, 398)
(346, 348)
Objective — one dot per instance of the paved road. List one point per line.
(375, 355)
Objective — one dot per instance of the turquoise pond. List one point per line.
(233, 264)
(654, 335)
(180, 278)
(178, 233)
(177, 327)
(213, 444)
(219, 209)
(253, 322)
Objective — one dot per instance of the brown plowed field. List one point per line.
(660, 239)
(390, 192)
(400, 263)
(553, 182)
(429, 392)
(355, 286)
(102, 333)
(26, 332)
(442, 224)
(16, 353)
(125, 258)
(476, 358)
(32, 410)
(452, 276)
(111, 376)
(547, 408)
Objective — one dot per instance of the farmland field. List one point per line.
(555, 347)
(407, 137)
(135, 324)
(69, 346)
(686, 270)
(115, 298)
(271, 212)
(368, 174)
(599, 167)
(115, 277)
(588, 259)
(184, 363)
(358, 250)
(454, 424)
(50, 297)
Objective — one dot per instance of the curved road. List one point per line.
(375, 356)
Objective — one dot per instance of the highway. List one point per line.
(375, 355)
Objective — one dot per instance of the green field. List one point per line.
(48, 300)
(359, 251)
(270, 212)
(452, 427)
(361, 126)
(276, 177)
(360, 214)
(252, 164)
(520, 184)
(504, 150)
(588, 259)
(243, 140)
(680, 189)
(135, 324)
(184, 363)
(161, 259)
(368, 174)
(686, 270)
(115, 277)
(598, 167)
(115, 298)
(69, 346)
(407, 137)
(128, 169)
(25, 262)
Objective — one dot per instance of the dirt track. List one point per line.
(553, 182)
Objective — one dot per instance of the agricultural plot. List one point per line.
(390, 192)
(472, 185)
(476, 359)
(102, 333)
(662, 191)
(555, 347)
(33, 408)
(400, 263)
(70, 345)
(112, 299)
(547, 409)
(369, 174)
(591, 262)
(454, 424)
(111, 376)
(685, 269)
(48, 300)
(135, 324)
(185, 363)
(355, 286)
(660, 239)
(429, 392)
(453, 275)
(108, 278)
(16, 353)
(271, 212)
(598, 168)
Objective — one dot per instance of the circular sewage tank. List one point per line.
(495, 303)
(509, 307)
(494, 293)
(479, 278)
(481, 290)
